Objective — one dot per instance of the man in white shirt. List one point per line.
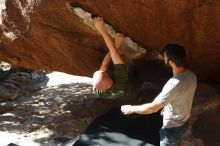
(175, 98)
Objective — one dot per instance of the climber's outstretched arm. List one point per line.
(107, 60)
(114, 52)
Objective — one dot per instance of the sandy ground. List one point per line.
(58, 107)
(50, 107)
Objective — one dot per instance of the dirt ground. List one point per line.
(57, 107)
(47, 108)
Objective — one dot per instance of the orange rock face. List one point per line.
(46, 35)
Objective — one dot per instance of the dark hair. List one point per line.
(175, 53)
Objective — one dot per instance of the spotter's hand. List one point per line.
(126, 109)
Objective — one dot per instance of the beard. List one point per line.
(167, 65)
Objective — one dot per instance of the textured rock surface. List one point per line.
(205, 114)
(45, 35)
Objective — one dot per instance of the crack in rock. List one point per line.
(130, 48)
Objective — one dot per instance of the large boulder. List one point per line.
(47, 35)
